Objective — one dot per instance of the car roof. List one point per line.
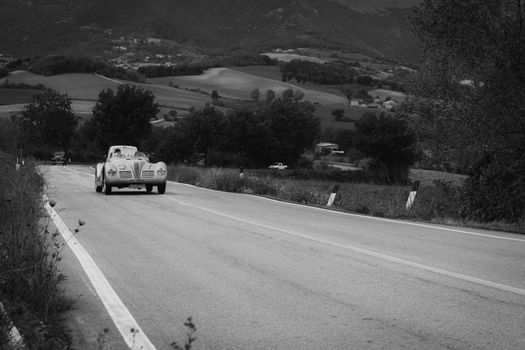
(112, 148)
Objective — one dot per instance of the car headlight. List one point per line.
(112, 172)
(161, 172)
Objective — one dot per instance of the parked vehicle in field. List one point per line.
(59, 158)
(278, 166)
(125, 166)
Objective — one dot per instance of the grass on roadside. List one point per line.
(29, 257)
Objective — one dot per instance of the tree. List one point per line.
(338, 114)
(47, 124)
(255, 94)
(270, 96)
(389, 141)
(363, 94)
(215, 96)
(468, 96)
(365, 80)
(123, 117)
(203, 130)
(293, 126)
(287, 94)
(348, 92)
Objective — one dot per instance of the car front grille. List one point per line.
(136, 169)
(148, 174)
(125, 174)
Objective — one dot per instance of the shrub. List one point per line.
(185, 174)
(29, 276)
(222, 179)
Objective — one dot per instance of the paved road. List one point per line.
(261, 274)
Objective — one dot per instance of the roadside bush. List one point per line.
(376, 200)
(222, 179)
(264, 186)
(441, 200)
(4, 331)
(495, 190)
(29, 256)
(185, 174)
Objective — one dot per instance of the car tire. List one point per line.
(98, 189)
(161, 189)
(149, 188)
(107, 188)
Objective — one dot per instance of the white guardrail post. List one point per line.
(412, 195)
(332, 196)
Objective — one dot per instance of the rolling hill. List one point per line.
(376, 27)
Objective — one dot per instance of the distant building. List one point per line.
(325, 148)
(154, 41)
(356, 101)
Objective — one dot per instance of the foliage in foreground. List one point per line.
(29, 256)
(467, 101)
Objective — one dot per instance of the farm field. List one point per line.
(16, 96)
(84, 88)
(274, 72)
(79, 107)
(192, 91)
(238, 85)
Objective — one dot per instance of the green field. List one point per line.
(191, 91)
(16, 96)
(84, 88)
(238, 85)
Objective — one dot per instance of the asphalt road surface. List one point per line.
(255, 273)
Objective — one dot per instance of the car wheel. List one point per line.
(161, 189)
(149, 188)
(107, 188)
(98, 189)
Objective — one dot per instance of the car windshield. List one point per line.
(125, 152)
(140, 155)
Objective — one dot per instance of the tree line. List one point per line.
(325, 73)
(238, 60)
(61, 64)
(279, 129)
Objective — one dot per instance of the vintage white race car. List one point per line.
(125, 166)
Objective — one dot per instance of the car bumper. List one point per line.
(134, 182)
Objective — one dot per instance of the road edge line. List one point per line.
(373, 218)
(126, 324)
(437, 270)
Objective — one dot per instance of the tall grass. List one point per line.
(29, 256)
(437, 201)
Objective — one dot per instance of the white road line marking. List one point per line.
(120, 315)
(499, 286)
(374, 218)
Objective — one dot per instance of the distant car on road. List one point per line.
(125, 166)
(278, 166)
(59, 158)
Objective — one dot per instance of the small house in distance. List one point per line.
(326, 148)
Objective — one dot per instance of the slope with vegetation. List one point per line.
(92, 27)
(29, 258)
(467, 105)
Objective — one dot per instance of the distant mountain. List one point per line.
(375, 27)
